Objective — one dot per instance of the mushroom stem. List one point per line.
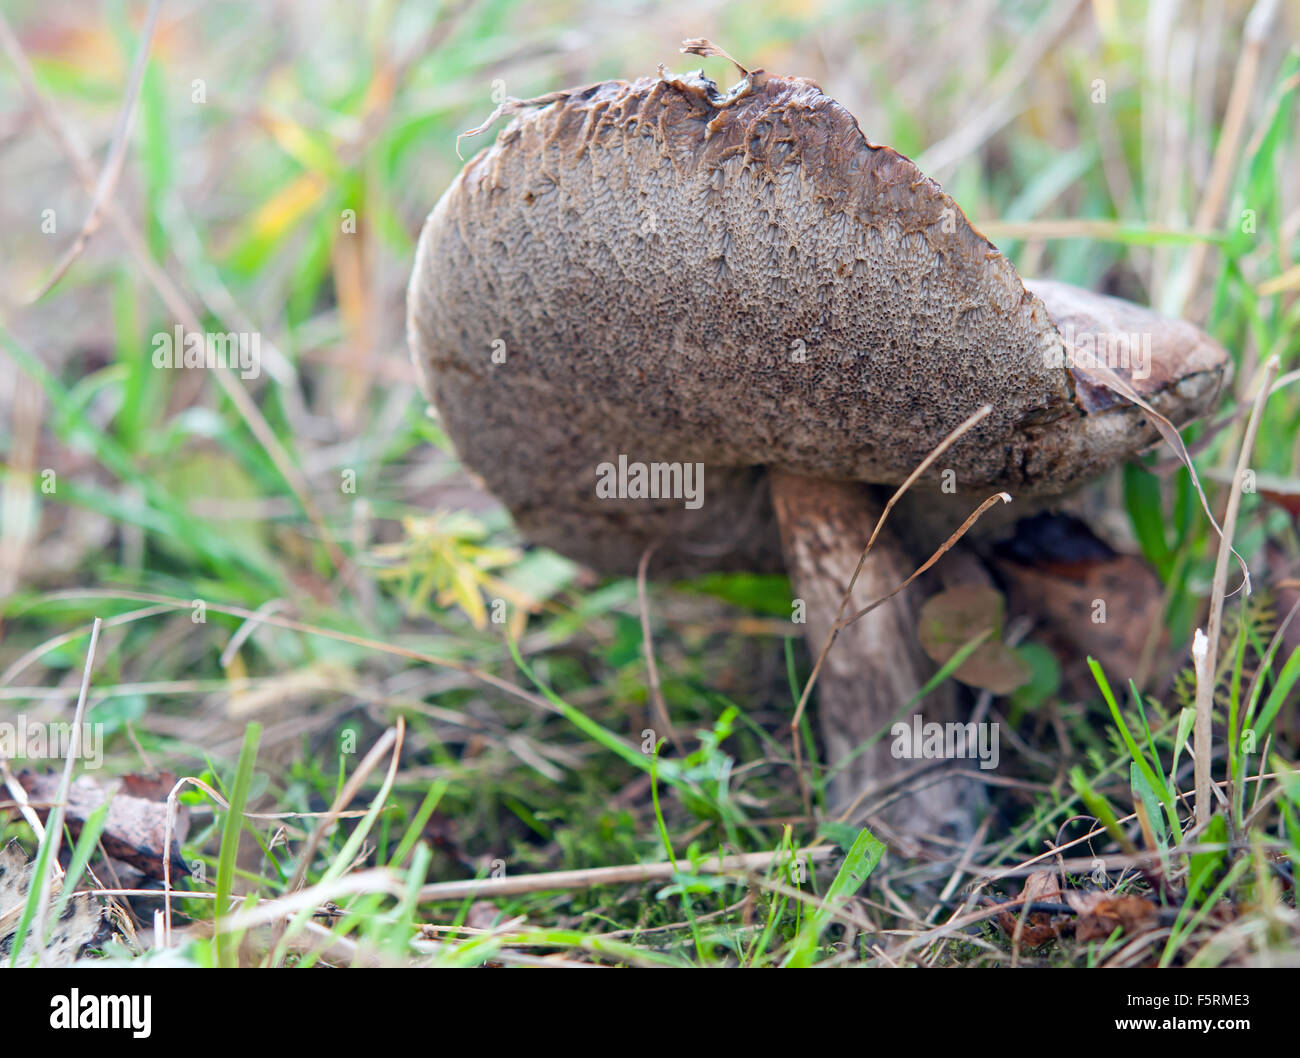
(876, 665)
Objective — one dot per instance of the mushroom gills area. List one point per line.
(876, 665)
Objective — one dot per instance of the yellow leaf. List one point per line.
(1288, 280)
(307, 149)
(286, 207)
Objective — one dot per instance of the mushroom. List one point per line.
(641, 281)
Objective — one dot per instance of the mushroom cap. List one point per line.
(743, 281)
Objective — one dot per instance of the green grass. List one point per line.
(530, 739)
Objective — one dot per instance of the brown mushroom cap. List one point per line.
(745, 281)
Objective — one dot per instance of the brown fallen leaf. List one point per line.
(1098, 912)
(1086, 599)
(1289, 501)
(1101, 912)
(1039, 927)
(137, 816)
(953, 617)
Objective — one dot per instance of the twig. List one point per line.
(349, 791)
(1086, 228)
(1101, 374)
(652, 669)
(394, 737)
(245, 630)
(1206, 679)
(944, 548)
(112, 170)
(22, 803)
(921, 468)
(1006, 92)
(972, 850)
(1254, 37)
(55, 642)
(169, 824)
(590, 877)
(54, 828)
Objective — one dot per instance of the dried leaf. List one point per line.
(1085, 599)
(1039, 927)
(137, 817)
(1100, 913)
(953, 618)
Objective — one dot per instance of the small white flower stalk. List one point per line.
(1201, 731)
(1200, 654)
